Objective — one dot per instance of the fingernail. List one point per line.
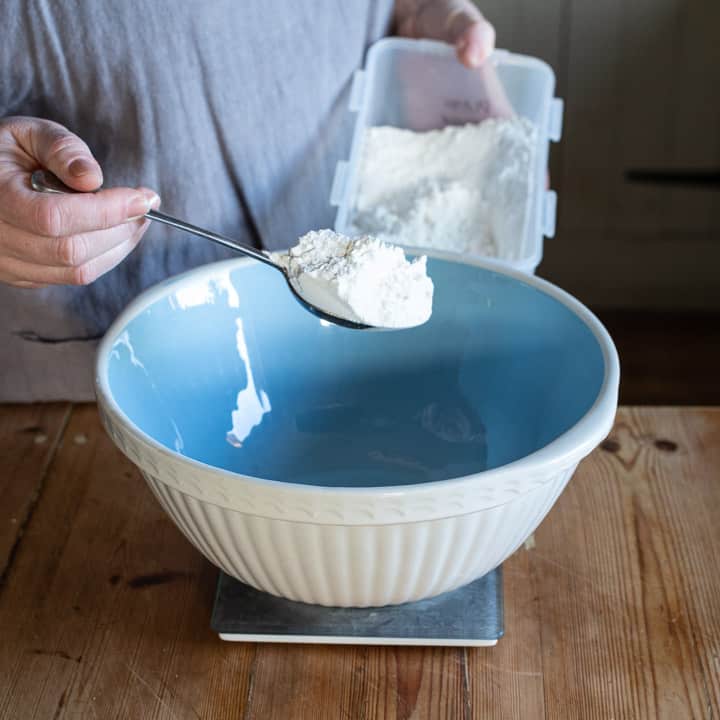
(141, 203)
(80, 167)
(475, 58)
(138, 206)
(153, 199)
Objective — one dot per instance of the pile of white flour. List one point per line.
(363, 280)
(465, 188)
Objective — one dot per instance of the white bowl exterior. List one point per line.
(361, 546)
(358, 565)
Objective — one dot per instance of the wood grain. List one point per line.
(507, 681)
(105, 609)
(334, 682)
(29, 435)
(626, 572)
(612, 608)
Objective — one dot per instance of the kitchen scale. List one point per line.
(469, 616)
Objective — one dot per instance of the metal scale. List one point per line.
(469, 616)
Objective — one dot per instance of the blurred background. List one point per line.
(638, 178)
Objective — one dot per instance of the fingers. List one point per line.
(26, 143)
(499, 103)
(474, 45)
(476, 41)
(64, 251)
(458, 22)
(61, 239)
(26, 274)
(62, 215)
(23, 284)
(64, 154)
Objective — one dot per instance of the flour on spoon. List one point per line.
(362, 279)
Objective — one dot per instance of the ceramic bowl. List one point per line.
(356, 468)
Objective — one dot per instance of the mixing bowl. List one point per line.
(356, 468)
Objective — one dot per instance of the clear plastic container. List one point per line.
(420, 85)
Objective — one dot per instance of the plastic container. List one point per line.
(420, 85)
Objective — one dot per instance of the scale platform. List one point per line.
(471, 616)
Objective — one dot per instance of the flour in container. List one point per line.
(463, 188)
(363, 279)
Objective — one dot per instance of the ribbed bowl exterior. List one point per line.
(351, 546)
(358, 565)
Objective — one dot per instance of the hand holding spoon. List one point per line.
(45, 181)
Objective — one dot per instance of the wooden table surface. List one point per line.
(612, 608)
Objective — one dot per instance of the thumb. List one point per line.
(65, 154)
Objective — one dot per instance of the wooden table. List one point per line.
(612, 608)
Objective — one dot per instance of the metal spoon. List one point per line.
(45, 181)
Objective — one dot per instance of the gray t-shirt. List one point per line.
(235, 112)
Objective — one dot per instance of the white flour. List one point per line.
(363, 279)
(465, 189)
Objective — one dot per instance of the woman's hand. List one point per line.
(458, 22)
(61, 239)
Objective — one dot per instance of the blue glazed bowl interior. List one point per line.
(226, 368)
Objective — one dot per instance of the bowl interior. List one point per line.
(223, 366)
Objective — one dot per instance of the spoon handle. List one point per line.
(47, 182)
(209, 235)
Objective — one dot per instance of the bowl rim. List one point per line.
(361, 505)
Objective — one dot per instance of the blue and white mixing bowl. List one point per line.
(356, 468)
